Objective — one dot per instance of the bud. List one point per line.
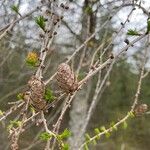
(66, 78)
(26, 96)
(140, 109)
(32, 58)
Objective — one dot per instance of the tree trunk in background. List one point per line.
(77, 117)
(80, 104)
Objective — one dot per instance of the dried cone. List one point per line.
(66, 78)
(140, 110)
(37, 91)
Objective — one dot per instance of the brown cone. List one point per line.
(37, 89)
(140, 109)
(66, 78)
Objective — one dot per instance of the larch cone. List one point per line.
(37, 91)
(66, 78)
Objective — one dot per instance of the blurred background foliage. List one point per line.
(114, 102)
